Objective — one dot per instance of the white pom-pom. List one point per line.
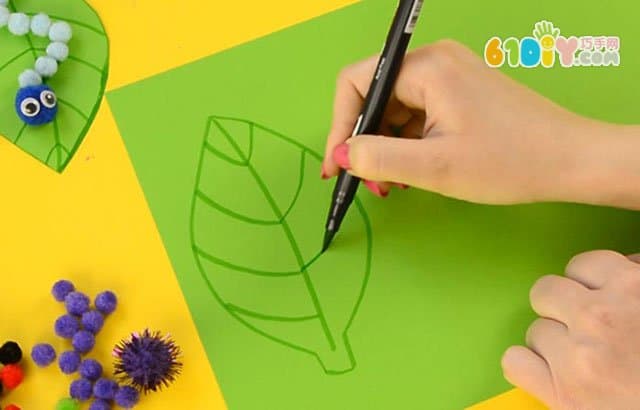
(40, 24)
(4, 16)
(18, 24)
(29, 78)
(58, 50)
(60, 31)
(46, 66)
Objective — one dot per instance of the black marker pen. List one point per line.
(375, 104)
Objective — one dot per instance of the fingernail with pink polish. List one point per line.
(323, 173)
(341, 156)
(375, 189)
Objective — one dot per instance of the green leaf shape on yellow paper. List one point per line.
(256, 227)
(79, 83)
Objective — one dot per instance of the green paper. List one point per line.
(79, 83)
(448, 284)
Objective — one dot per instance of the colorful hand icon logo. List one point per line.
(546, 34)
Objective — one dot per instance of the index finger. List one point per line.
(346, 109)
(352, 86)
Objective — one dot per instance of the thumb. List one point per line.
(417, 162)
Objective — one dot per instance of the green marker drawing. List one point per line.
(257, 252)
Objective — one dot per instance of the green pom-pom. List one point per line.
(67, 404)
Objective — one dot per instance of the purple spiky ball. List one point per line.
(147, 361)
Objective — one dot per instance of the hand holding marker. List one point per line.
(455, 141)
(375, 104)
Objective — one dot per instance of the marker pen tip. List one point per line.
(328, 237)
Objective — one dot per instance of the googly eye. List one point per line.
(48, 98)
(30, 107)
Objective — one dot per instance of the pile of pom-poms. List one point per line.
(145, 362)
(11, 373)
(80, 325)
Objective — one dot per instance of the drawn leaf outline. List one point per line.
(256, 227)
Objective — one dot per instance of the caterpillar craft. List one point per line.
(36, 103)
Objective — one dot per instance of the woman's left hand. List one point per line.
(583, 353)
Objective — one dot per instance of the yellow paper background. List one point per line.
(512, 400)
(92, 225)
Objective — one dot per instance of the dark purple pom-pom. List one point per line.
(105, 389)
(61, 289)
(80, 389)
(106, 302)
(69, 362)
(147, 361)
(92, 321)
(127, 397)
(43, 354)
(83, 341)
(77, 303)
(66, 326)
(100, 404)
(90, 369)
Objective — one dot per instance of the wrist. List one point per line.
(603, 167)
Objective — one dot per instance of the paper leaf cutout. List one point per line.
(256, 227)
(79, 83)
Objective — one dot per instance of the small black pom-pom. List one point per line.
(10, 353)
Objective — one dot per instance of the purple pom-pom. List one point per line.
(105, 389)
(90, 369)
(80, 389)
(43, 354)
(106, 302)
(69, 362)
(83, 341)
(92, 321)
(77, 303)
(66, 326)
(61, 289)
(100, 404)
(127, 397)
